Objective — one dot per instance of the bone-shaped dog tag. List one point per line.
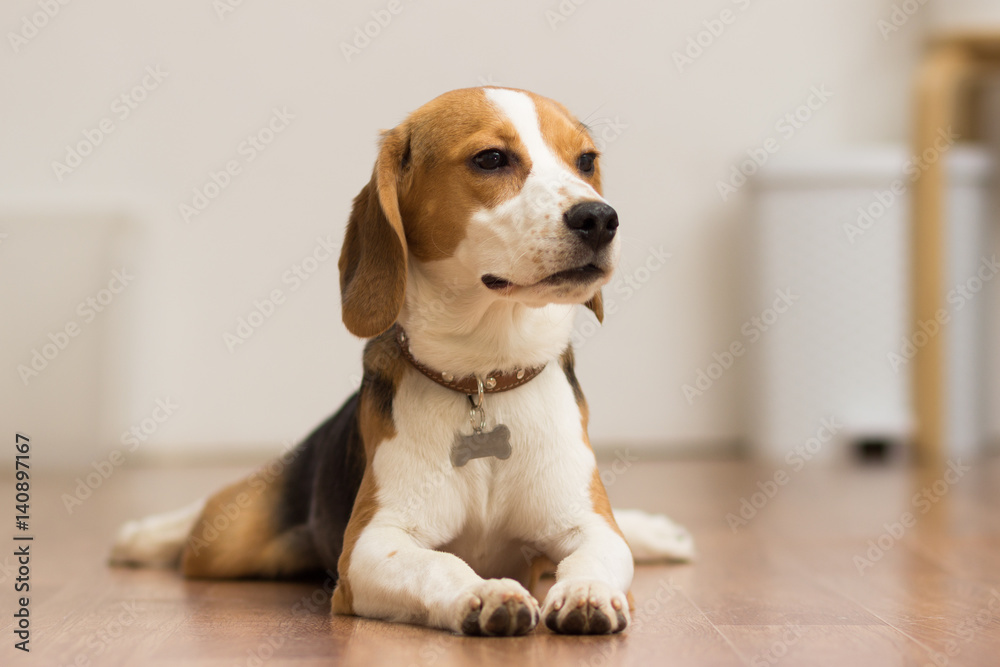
(480, 445)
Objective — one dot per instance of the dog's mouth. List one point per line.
(581, 275)
(495, 283)
(587, 273)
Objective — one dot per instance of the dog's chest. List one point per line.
(487, 510)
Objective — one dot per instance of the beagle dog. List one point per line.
(463, 460)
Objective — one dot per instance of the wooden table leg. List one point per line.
(941, 78)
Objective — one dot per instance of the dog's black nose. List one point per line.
(593, 221)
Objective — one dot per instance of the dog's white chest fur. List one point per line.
(479, 510)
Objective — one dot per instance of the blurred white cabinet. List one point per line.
(834, 230)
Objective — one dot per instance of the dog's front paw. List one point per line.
(497, 607)
(586, 607)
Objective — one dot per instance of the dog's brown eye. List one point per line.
(490, 160)
(585, 163)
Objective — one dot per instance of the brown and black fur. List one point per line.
(289, 518)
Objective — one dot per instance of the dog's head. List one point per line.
(494, 189)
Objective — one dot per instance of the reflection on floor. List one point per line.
(853, 566)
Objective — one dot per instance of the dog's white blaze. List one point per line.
(547, 170)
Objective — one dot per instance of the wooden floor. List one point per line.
(826, 573)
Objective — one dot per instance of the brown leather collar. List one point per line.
(493, 383)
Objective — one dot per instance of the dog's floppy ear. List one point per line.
(596, 304)
(373, 258)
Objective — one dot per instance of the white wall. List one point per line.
(611, 62)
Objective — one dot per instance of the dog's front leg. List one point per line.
(393, 577)
(595, 569)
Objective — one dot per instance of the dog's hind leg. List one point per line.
(262, 526)
(156, 541)
(244, 531)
